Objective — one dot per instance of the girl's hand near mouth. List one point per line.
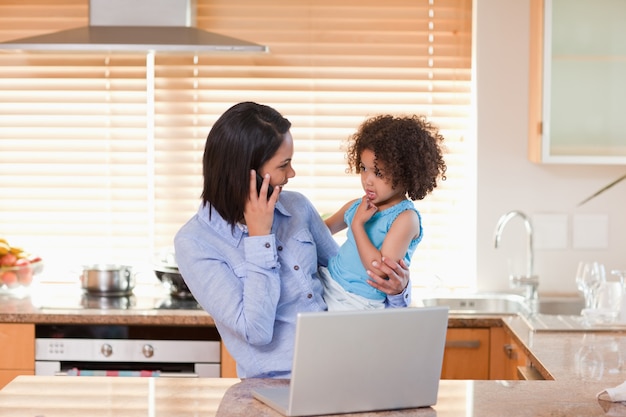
(364, 212)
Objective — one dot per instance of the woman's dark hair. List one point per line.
(245, 137)
(409, 148)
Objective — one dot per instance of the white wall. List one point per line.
(507, 180)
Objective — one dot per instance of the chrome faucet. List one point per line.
(530, 281)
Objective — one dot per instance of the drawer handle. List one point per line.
(463, 344)
(509, 351)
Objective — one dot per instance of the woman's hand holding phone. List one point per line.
(259, 183)
(259, 210)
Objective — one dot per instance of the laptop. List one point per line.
(356, 361)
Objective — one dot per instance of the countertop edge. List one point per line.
(180, 318)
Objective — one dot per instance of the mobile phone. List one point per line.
(259, 182)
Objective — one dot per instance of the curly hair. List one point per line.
(409, 149)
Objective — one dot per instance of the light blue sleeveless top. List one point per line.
(346, 267)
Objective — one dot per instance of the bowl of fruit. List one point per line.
(17, 267)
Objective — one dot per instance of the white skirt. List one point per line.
(338, 299)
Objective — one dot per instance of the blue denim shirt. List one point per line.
(253, 287)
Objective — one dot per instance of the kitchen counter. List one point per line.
(30, 310)
(577, 365)
(59, 396)
(29, 396)
(61, 304)
(459, 398)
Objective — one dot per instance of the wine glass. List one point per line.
(589, 277)
(621, 275)
(589, 361)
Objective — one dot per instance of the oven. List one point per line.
(114, 350)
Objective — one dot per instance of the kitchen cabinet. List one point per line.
(229, 366)
(466, 355)
(17, 351)
(577, 85)
(506, 357)
(484, 353)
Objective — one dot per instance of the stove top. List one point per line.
(142, 299)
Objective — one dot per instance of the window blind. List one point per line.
(86, 174)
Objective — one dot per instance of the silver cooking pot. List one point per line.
(107, 279)
(173, 280)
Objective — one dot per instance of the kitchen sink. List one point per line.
(553, 313)
(561, 305)
(480, 303)
(504, 303)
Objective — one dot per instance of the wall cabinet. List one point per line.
(17, 347)
(577, 84)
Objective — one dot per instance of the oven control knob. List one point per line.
(148, 351)
(106, 350)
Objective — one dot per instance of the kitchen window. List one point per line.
(88, 174)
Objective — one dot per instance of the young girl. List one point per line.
(397, 157)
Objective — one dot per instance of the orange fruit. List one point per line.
(9, 278)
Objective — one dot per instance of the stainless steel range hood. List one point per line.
(136, 26)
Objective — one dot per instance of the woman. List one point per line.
(250, 257)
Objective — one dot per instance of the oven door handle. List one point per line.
(85, 372)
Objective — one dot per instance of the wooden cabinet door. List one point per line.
(467, 354)
(505, 356)
(228, 364)
(17, 344)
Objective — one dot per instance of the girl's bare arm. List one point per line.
(404, 229)
(335, 222)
